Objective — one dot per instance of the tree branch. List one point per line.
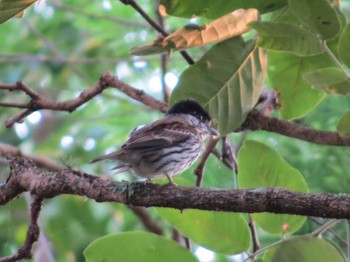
(33, 232)
(116, 20)
(107, 80)
(155, 25)
(198, 172)
(24, 58)
(39, 160)
(253, 233)
(257, 121)
(149, 223)
(254, 121)
(25, 176)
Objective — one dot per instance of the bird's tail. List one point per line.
(113, 155)
(121, 168)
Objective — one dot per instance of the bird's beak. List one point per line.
(213, 131)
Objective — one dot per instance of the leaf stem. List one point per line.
(334, 58)
(262, 250)
(324, 227)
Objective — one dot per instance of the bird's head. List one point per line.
(190, 107)
(193, 108)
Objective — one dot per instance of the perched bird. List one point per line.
(166, 147)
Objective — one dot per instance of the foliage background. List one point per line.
(59, 48)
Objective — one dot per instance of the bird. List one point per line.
(166, 147)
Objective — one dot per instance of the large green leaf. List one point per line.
(227, 80)
(281, 36)
(344, 45)
(222, 232)
(230, 25)
(10, 8)
(306, 249)
(343, 126)
(285, 72)
(269, 170)
(317, 15)
(217, 8)
(329, 79)
(136, 246)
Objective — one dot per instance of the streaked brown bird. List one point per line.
(166, 147)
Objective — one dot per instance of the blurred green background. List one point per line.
(59, 49)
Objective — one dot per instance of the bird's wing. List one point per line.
(160, 134)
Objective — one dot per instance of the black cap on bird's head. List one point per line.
(190, 107)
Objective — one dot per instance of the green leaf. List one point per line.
(227, 80)
(329, 79)
(317, 15)
(267, 257)
(269, 170)
(230, 25)
(344, 45)
(10, 8)
(307, 249)
(343, 126)
(216, 8)
(282, 36)
(136, 246)
(285, 72)
(222, 232)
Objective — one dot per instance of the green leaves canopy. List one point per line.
(227, 80)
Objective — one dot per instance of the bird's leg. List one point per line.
(171, 181)
(148, 181)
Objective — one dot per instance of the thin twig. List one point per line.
(316, 220)
(52, 48)
(13, 104)
(18, 118)
(139, 95)
(21, 58)
(40, 160)
(147, 220)
(107, 80)
(199, 170)
(262, 250)
(155, 25)
(125, 22)
(253, 233)
(228, 154)
(30, 92)
(164, 59)
(33, 232)
(324, 228)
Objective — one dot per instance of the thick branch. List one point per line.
(256, 121)
(26, 177)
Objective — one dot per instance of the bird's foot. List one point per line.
(171, 181)
(148, 181)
